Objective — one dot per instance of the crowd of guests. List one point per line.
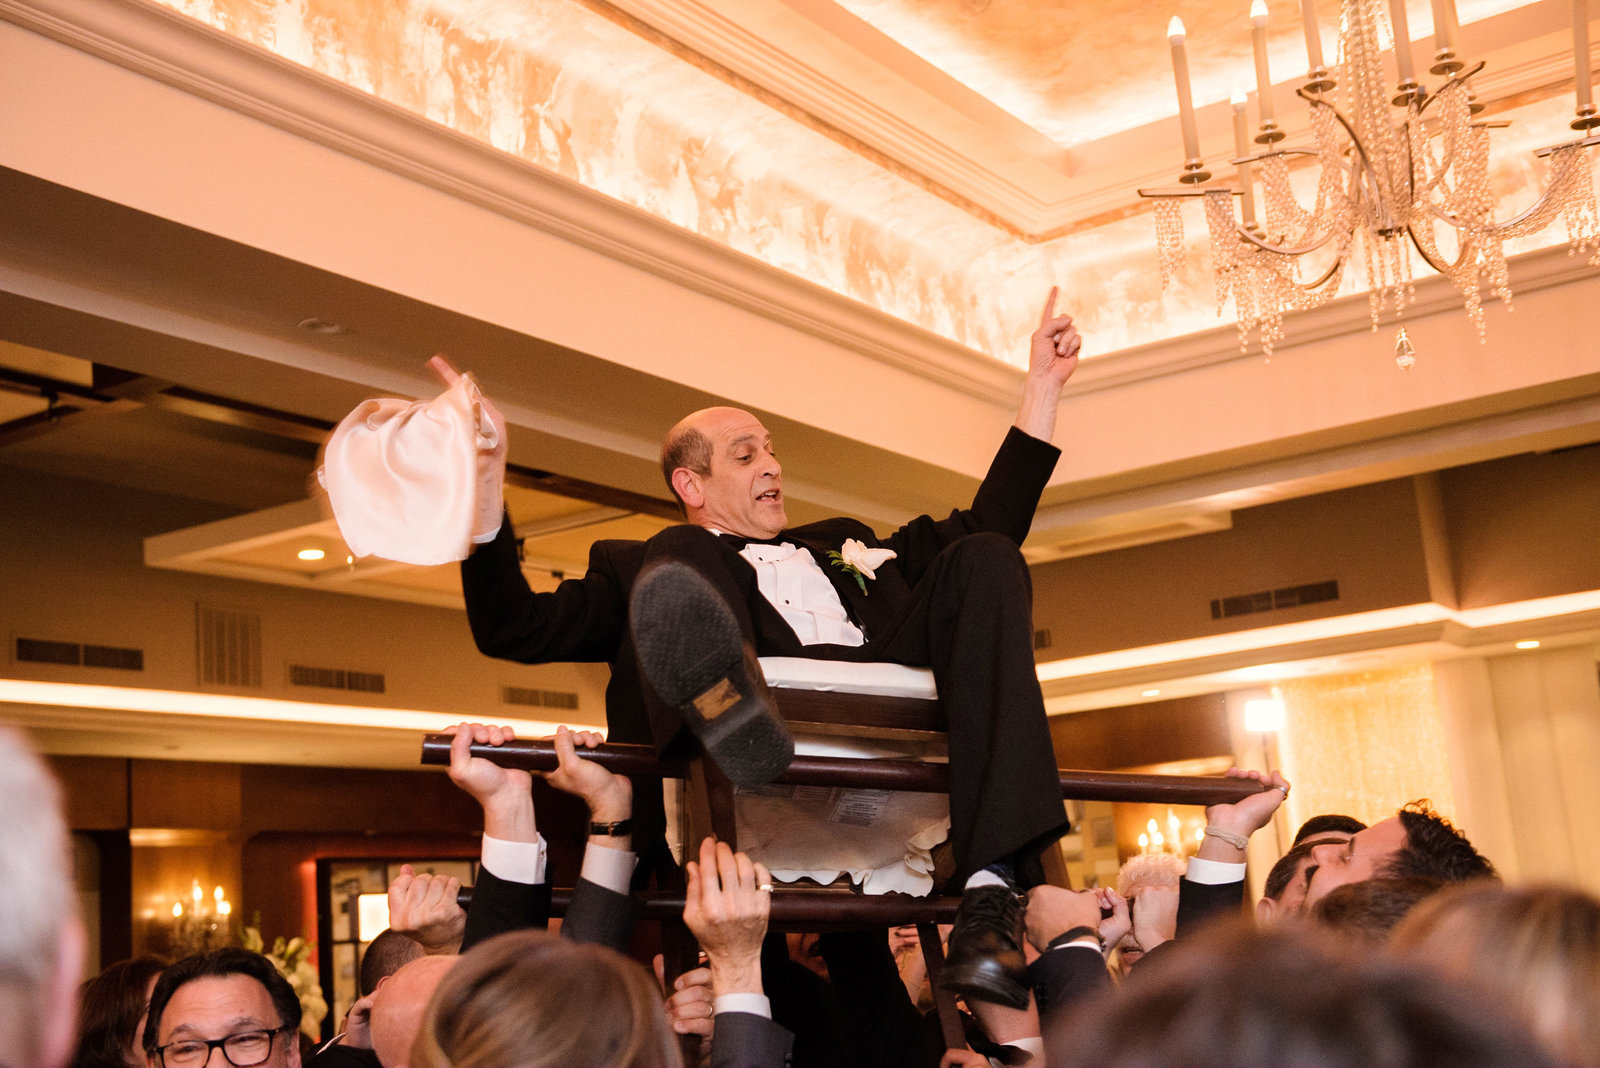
(1393, 944)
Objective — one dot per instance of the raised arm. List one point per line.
(1053, 356)
(491, 459)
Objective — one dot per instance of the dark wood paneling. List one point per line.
(94, 790)
(180, 793)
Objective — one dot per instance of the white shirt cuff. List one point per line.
(1086, 942)
(1213, 872)
(754, 1004)
(515, 862)
(608, 867)
(485, 539)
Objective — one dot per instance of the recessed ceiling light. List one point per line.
(1150, 693)
(311, 554)
(1528, 644)
(321, 326)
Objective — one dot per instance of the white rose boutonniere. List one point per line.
(860, 561)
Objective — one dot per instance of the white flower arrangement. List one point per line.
(292, 958)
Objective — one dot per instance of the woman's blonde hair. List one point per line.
(533, 1000)
(1536, 947)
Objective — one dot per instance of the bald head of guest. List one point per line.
(398, 1004)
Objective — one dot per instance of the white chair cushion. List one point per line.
(882, 680)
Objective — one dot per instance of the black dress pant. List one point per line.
(970, 620)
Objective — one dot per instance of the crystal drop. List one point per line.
(1405, 353)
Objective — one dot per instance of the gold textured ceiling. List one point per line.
(1078, 72)
(887, 150)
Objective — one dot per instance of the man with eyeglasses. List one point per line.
(229, 1006)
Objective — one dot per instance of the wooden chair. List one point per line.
(900, 708)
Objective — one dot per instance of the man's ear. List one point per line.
(687, 483)
(1266, 911)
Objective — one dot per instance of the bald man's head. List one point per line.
(722, 468)
(398, 1005)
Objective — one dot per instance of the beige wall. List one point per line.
(73, 571)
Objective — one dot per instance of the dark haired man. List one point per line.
(1414, 841)
(1326, 827)
(229, 998)
(682, 617)
(1284, 892)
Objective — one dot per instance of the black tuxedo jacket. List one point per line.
(586, 619)
(595, 914)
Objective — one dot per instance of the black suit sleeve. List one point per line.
(1004, 504)
(581, 620)
(499, 905)
(1201, 903)
(745, 1040)
(1063, 976)
(337, 1055)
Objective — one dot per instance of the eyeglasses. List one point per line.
(242, 1050)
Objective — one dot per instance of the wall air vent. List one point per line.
(336, 679)
(521, 695)
(1273, 600)
(39, 651)
(228, 646)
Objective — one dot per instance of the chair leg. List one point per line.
(680, 953)
(955, 1035)
(708, 807)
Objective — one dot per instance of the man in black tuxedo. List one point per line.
(680, 618)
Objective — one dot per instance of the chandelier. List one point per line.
(1401, 167)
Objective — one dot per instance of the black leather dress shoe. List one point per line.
(693, 655)
(985, 961)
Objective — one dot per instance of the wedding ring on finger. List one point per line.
(765, 888)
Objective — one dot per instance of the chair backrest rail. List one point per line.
(910, 775)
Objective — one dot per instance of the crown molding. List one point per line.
(169, 47)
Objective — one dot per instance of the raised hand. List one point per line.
(1243, 817)
(1055, 345)
(1052, 357)
(1155, 915)
(1119, 923)
(506, 794)
(1053, 911)
(690, 1008)
(424, 909)
(608, 795)
(726, 910)
(491, 455)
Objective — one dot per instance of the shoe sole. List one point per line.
(691, 651)
(982, 985)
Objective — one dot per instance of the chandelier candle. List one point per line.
(1445, 30)
(1258, 42)
(1308, 14)
(1180, 74)
(1580, 54)
(1402, 43)
(1241, 148)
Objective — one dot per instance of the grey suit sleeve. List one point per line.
(745, 1040)
(601, 916)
